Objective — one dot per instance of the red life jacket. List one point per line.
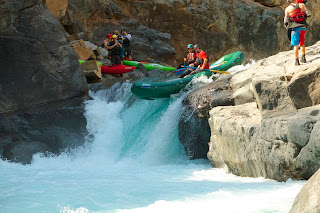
(298, 15)
(191, 56)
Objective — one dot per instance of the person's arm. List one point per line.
(117, 43)
(305, 9)
(204, 63)
(286, 18)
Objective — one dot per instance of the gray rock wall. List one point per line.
(42, 84)
(37, 65)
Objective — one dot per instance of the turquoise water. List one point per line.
(134, 162)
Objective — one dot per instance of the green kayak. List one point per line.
(162, 88)
(228, 61)
(81, 61)
(148, 66)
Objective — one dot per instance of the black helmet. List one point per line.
(196, 46)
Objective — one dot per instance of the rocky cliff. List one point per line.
(272, 124)
(39, 70)
(162, 29)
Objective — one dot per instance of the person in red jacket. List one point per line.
(202, 58)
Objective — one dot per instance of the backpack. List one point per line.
(298, 15)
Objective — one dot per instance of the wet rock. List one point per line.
(308, 199)
(22, 152)
(194, 129)
(48, 128)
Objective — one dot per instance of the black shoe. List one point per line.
(303, 59)
(297, 62)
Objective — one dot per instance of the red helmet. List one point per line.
(299, 1)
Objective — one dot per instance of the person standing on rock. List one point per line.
(115, 50)
(295, 19)
(126, 44)
(120, 40)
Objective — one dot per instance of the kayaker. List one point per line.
(115, 50)
(120, 40)
(126, 44)
(202, 59)
(191, 57)
(202, 62)
(295, 19)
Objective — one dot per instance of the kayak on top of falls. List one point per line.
(148, 66)
(223, 64)
(116, 69)
(163, 87)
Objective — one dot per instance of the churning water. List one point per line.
(134, 162)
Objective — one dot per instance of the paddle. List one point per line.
(218, 64)
(224, 72)
(145, 60)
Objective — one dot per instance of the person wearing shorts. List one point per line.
(295, 19)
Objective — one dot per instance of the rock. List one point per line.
(37, 63)
(276, 135)
(58, 7)
(22, 152)
(306, 84)
(308, 199)
(271, 3)
(54, 127)
(194, 129)
(270, 91)
(92, 71)
(83, 52)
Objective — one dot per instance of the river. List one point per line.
(134, 162)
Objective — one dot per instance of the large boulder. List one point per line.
(37, 63)
(308, 199)
(194, 129)
(273, 129)
(42, 84)
(52, 128)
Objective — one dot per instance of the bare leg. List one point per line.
(296, 51)
(303, 49)
(296, 55)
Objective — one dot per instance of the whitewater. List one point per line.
(134, 162)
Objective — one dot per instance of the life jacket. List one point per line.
(298, 15)
(114, 51)
(191, 57)
(126, 41)
(119, 38)
(200, 61)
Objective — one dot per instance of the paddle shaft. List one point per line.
(209, 70)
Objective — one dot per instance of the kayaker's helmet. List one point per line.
(190, 46)
(116, 32)
(114, 36)
(300, 1)
(196, 46)
(109, 35)
(123, 30)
